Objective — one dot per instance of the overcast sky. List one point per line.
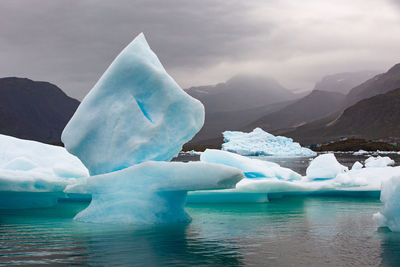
(71, 43)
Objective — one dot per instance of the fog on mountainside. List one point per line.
(241, 92)
(343, 82)
(374, 121)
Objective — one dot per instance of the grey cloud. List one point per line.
(71, 43)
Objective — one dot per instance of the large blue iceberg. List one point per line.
(134, 118)
(135, 113)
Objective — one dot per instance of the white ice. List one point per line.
(324, 176)
(30, 166)
(252, 168)
(135, 113)
(360, 152)
(389, 216)
(357, 166)
(324, 166)
(259, 142)
(34, 175)
(373, 162)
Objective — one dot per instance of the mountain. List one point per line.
(315, 105)
(34, 110)
(379, 84)
(372, 118)
(343, 82)
(242, 92)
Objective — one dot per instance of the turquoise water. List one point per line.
(307, 231)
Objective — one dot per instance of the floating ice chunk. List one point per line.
(389, 216)
(329, 178)
(360, 152)
(150, 192)
(193, 152)
(252, 168)
(30, 166)
(324, 167)
(356, 166)
(373, 162)
(135, 113)
(34, 175)
(259, 142)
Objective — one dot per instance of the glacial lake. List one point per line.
(293, 231)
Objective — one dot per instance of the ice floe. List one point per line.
(259, 142)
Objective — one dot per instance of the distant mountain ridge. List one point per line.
(379, 84)
(34, 110)
(241, 92)
(343, 82)
(314, 106)
(333, 126)
(372, 118)
(325, 103)
(40, 110)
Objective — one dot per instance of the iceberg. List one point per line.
(357, 166)
(134, 120)
(252, 168)
(324, 167)
(33, 174)
(135, 113)
(261, 143)
(360, 152)
(267, 180)
(261, 178)
(373, 162)
(389, 216)
(36, 167)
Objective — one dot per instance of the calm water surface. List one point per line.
(306, 231)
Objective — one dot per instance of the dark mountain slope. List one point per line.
(241, 93)
(372, 118)
(379, 84)
(314, 106)
(34, 110)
